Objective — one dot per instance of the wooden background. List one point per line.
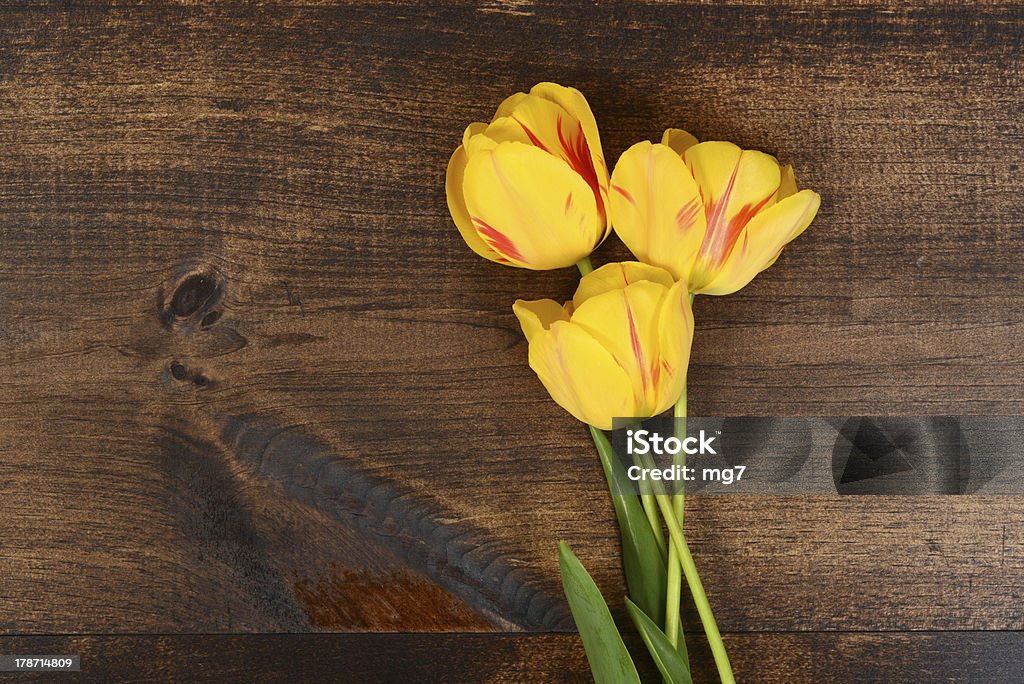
(251, 380)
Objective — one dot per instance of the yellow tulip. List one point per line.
(530, 189)
(712, 214)
(621, 347)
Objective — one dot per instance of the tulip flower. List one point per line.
(530, 189)
(620, 348)
(711, 213)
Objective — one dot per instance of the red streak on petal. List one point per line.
(715, 211)
(638, 351)
(577, 154)
(498, 241)
(739, 222)
(568, 203)
(687, 216)
(722, 233)
(532, 136)
(625, 193)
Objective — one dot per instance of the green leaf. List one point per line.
(641, 559)
(671, 665)
(609, 660)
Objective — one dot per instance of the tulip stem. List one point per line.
(673, 594)
(700, 599)
(672, 510)
(653, 518)
(584, 265)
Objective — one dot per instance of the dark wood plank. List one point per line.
(794, 658)
(300, 462)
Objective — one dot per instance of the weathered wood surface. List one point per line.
(863, 657)
(251, 379)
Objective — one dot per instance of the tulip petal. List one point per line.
(535, 316)
(457, 207)
(787, 184)
(580, 375)
(762, 241)
(624, 321)
(616, 276)
(678, 139)
(736, 184)
(675, 337)
(559, 121)
(573, 102)
(545, 124)
(578, 108)
(530, 207)
(657, 208)
(502, 129)
(508, 105)
(727, 173)
(473, 129)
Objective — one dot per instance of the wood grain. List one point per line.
(252, 380)
(794, 658)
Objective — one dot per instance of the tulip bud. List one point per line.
(530, 189)
(620, 348)
(712, 214)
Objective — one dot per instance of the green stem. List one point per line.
(651, 511)
(673, 595)
(700, 598)
(584, 265)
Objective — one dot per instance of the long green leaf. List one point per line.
(609, 660)
(671, 665)
(642, 561)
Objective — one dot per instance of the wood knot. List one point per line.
(180, 372)
(194, 296)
